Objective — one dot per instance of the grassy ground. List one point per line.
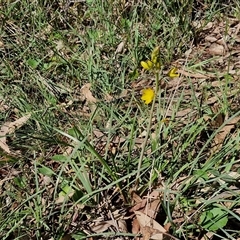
(82, 156)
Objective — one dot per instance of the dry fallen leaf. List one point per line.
(147, 232)
(3, 140)
(1, 44)
(184, 112)
(122, 225)
(88, 99)
(136, 198)
(153, 204)
(100, 227)
(210, 39)
(18, 123)
(135, 226)
(208, 25)
(208, 236)
(10, 128)
(146, 221)
(117, 221)
(120, 47)
(59, 45)
(86, 94)
(221, 135)
(188, 52)
(195, 75)
(216, 49)
(149, 205)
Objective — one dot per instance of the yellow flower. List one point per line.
(173, 73)
(155, 60)
(147, 95)
(147, 65)
(165, 120)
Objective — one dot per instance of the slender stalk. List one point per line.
(148, 131)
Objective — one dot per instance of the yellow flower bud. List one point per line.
(144, 65)
(158, 65)
(173, 73)
(155, 55)
(150, 64)
(154, 60)
(147, 65)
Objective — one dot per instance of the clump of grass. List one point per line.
(64, 166)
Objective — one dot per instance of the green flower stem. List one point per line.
(148, 130)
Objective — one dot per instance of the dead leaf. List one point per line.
(208, 26)
(167, 226)
(122, 225)
(86, 94)
(99, 227)
(10, 128)
(221, 135)
(59, 45)
(152, 207)
(184, 112)
(139, 85)
(149, 205)
(136, 198)
(210, 39)
(147, 233)
(13, 126)
(188, 52)
(120, 47)
(98, 134)
(3, 139)
(135, 226)
(146, 221)
(108, 97)
(237, 210)
(1, 44)
(117, 220)
(3, 106)
(223, 43)
(212, 100)
(208, 236)
(216, 49)
(194, 75)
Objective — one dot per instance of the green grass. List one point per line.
(73, 162)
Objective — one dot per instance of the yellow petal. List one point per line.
(150, 64)
(147, 95)
(173, 73)
(146, 65)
